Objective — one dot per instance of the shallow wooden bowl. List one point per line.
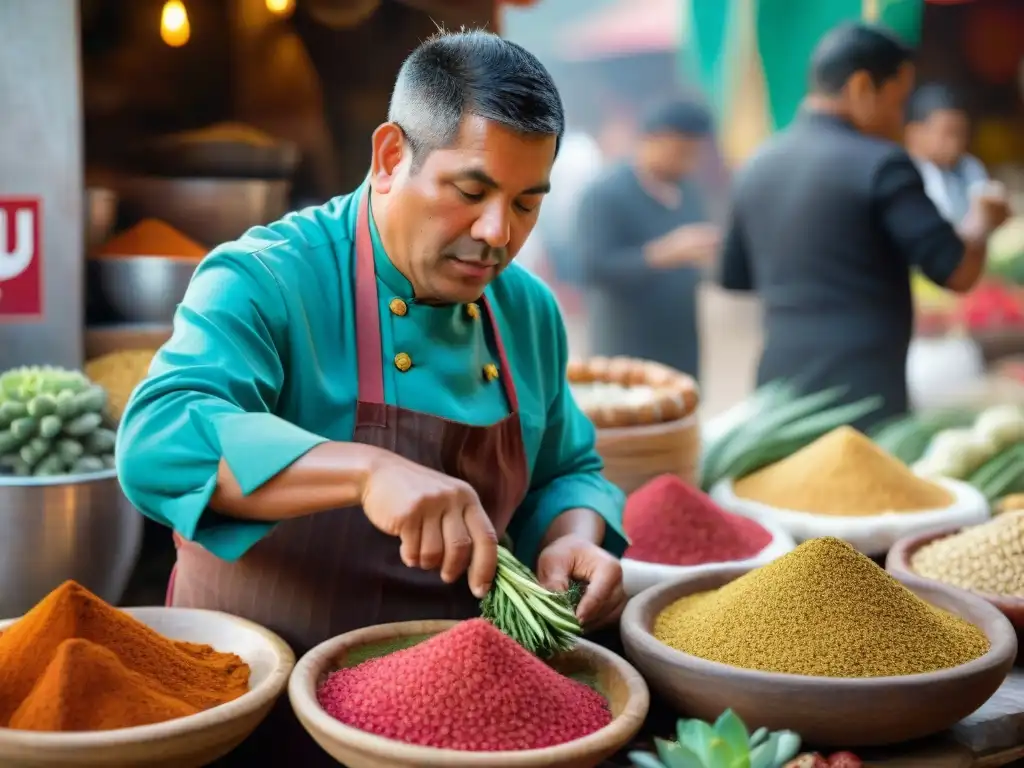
(850, 712)
(618, 681)
(897, 562)
(188, 742)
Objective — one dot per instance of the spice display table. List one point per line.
(993, 736)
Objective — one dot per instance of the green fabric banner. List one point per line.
(706, 24)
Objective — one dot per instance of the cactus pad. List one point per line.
(53, 422)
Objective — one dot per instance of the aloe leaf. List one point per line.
(757, 737)
(732, 730)
(646, 760)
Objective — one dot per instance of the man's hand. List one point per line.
(991, 206)
(438, 518)
(572, 557)
(689, 244)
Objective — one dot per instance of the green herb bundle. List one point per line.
(541, 621)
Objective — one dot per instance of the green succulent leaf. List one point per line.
(787, 747)
(733, 731)
(696, 735)
(779, 748)
(674, 755)
(758, 736)
(720, 755)
(646, 760)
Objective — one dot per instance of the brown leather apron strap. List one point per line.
(368, 339)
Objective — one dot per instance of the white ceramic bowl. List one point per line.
(187, 742)
(871, 534)
(638, 575)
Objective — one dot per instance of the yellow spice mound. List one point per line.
(842, 473)
(824, 610)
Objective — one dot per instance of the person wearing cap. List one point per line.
(643, 237)
(937, 133)
(830, 216)
(360, 399)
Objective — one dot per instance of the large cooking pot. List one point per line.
(211, 211)
(53, 529)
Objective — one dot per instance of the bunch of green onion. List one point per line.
(541, 621)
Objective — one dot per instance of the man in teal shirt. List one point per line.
(358, 400)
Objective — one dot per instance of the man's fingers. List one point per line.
(410, 548)
(554, 573)
(610, 612)
(602, 583)
(484, 560)
(458, 546)
(431, 543)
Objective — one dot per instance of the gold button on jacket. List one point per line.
(490, 371)
(473, 311)
(398, 307)
(403, 362)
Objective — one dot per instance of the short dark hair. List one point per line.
(930, 98)
(851, 48)
(681, 116)
(472, 72)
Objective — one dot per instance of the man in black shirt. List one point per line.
(830, 216)
(643, 239)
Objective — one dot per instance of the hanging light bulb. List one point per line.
(281, 8)
(174, 27)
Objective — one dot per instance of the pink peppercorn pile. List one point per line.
(471, 688)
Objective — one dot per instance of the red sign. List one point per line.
(21, 258)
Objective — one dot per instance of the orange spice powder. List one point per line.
(152, 237)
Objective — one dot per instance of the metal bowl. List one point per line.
(77, 527)
(137, 289)
(211, 211)
(101, 205)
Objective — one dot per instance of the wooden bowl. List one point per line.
(897, 562)
(187, 742)
(849, 712)
(622, 685)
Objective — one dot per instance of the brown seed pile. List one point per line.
(987, 558)
(824, 610)
(842, 473)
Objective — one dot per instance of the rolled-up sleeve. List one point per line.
(211, 394)
(912, 224)
(567, 473)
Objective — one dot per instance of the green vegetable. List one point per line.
(726, 744)
(541, 621)
(908, 437)
(1000, 474)
(780, 423)
(53, 421)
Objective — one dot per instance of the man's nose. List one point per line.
(493, 226)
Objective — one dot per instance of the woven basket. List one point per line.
(640, 443)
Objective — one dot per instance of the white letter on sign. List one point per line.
(14, 261)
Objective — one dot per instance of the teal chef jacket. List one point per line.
(261, 367)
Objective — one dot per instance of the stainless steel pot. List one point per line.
(53, 529)
(137, 289)
(211, 211)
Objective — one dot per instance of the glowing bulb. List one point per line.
(280, 7)
(174, 27)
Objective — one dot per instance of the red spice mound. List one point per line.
(669, 522)
(471, 688)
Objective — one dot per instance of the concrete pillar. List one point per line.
(41, 160)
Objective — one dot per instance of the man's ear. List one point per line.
(390, 154)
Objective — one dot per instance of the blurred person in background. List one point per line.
(643, 238)
(937, 135)
(830, 215)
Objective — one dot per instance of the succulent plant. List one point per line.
(53, 422)
(726, 744)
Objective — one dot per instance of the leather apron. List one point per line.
(321, 575)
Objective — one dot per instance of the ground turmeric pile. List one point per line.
(74, 663)
(152, 237)
(119, 373)
(842, 473)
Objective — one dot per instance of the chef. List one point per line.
(828, 219)
(358, 400)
